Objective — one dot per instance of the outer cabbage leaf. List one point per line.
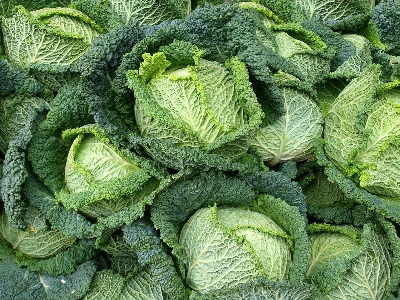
(16, 134)
(340, 15)
(260, 289)
(326, 202)
(291, 136)
(327, 93)
(105, 285)
(332, 251)
(19, 112)
(263, 20)
(65, 262)
(115, 13)
(280, 186)
(152, 275)
(357, 63)
(69, 223)
(305, 50)
(155, 260)
(344, 49)
(386, 22)
(337, 14)
(97, 68)
(141, 286)
(149, 12)
(388, 207)
(138, 285)
(122, 258)
(36, 241)
(19, 283)
(340, 131)
(23, 101)
(7, 6)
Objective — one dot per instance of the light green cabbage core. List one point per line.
(100, 180)
(48, 38)
(346, 263)
(199, 103)
(93, 162)
(225, 247)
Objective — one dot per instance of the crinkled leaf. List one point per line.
(341, 134)
(290, 136)
(65, 262)
(41, 243)
(19, 112)
(337, 14)
(19, 284)
(149, 12)
(369, 273)
(47, 38)
(141, 286)
(331, 253)
(327, 92)
(357, 63)
(105, 285)
(6, 6)
(260, 289)
(144, 239)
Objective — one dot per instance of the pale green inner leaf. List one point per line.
(149, 12)
(330, 9)
(27, 44)
(141, 286)
(369, 274)
(93, 162)
(291, 136)
(35, 242)
(214, 260)
(340, 133)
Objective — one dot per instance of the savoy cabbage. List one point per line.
(193, 150)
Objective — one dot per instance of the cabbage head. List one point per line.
(290, 46)
(185, 101)
(226, 246)
(362, 133)
(347, 262)
(101, 179)
(48, 41)
(291, 135)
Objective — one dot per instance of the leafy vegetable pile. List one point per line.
(193, 150)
